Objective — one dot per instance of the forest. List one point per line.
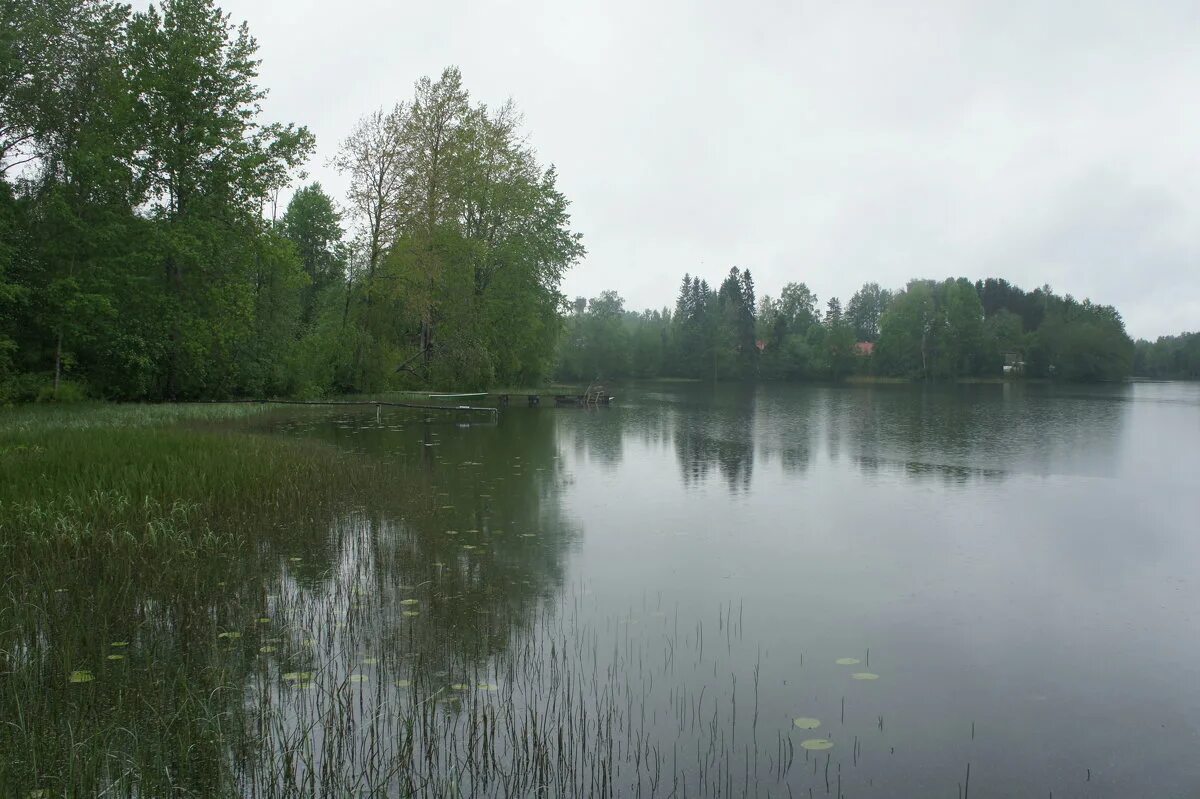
(143, 254)
(950, 329)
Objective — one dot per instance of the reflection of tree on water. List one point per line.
(481, 526)
(958, 434)
(786, 426)
(594, 434)
(199, 699)
(719, 435)
(966, 433)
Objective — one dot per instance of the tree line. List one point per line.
(143, 255)
(927, 330)
(1168, 357)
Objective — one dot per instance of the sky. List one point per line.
(832, 143)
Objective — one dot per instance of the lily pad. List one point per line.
(488, 686)
(81, 676)
(266, 649)
(119, 643)
(848, 661)
(411, 613)
(817, 744)
(403, 683)
(297, 676)
(115, 657)
(806, 723)
(460, 686)
(229, 634)
(264, 620)
(864, 675)
(358, 678)
(410, 601)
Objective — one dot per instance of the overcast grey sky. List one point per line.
(832, 142)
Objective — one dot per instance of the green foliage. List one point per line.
(1169, 357)
(929, 330)
(67, 392)
(464, 238)
(865, 310)
(134, 252)
(313, 225)
(1083, 341)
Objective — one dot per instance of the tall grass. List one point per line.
(263, 616)
(133, 524)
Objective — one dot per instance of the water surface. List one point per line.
(667, 583)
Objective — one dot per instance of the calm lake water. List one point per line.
(666, 584)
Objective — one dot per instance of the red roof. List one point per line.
(865, 347)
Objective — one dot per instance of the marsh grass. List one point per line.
(139, 524)
(294, 621)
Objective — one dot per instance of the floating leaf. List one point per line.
(410, 601)
(460, 686)
(806, 723)
(368, 661)
(488, 686)
(81, 676)
(266, 649)
(297, 676)
(864, 675)
(116, 657)
(119, 643)
(229, 634)
(411, 613)
(848, 661)
(817, 744)
(403, 683)
(358, 678)
(264, 620)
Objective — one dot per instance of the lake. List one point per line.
(652, 598)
